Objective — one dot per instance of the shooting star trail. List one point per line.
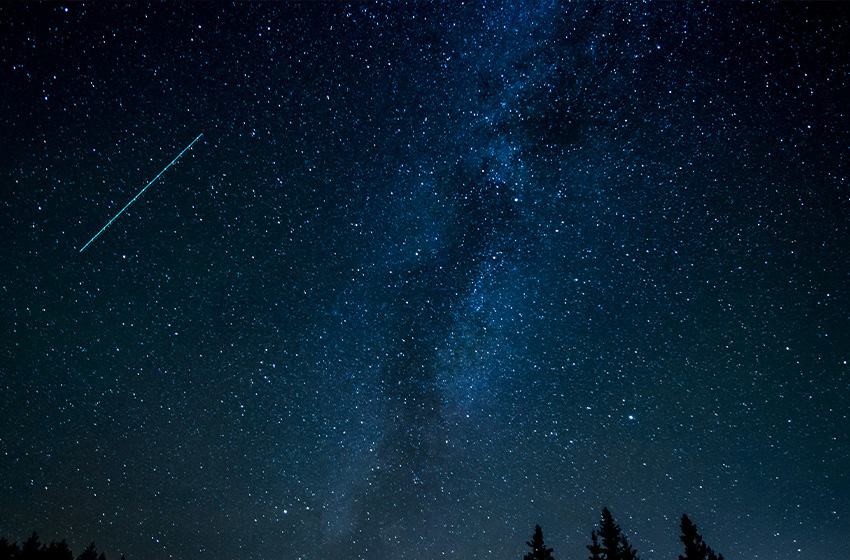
(141, 191)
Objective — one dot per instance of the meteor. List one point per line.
(140, 192)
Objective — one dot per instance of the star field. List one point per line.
(435, 273)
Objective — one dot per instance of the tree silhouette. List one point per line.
(695, 548)
(614, 545)
(32, 549)
(594, 548)
(538, 549)
(58, 551)
(8, 551)
(90, 553)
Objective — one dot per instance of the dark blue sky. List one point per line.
(434, 274)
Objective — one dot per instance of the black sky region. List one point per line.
(434, 273)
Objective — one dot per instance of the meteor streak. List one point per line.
(140, 192)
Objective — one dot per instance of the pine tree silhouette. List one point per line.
(90, 553)
(626, 551)
(538, 548)
(594, 548)
(32, 549)
(614, 545)
(695, 548)
(8, 551)
(58, 551)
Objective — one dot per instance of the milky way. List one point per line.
(435, 273)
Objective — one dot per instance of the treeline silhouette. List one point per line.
(608, 542)
(32, 549)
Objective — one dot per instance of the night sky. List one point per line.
(434, 273)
